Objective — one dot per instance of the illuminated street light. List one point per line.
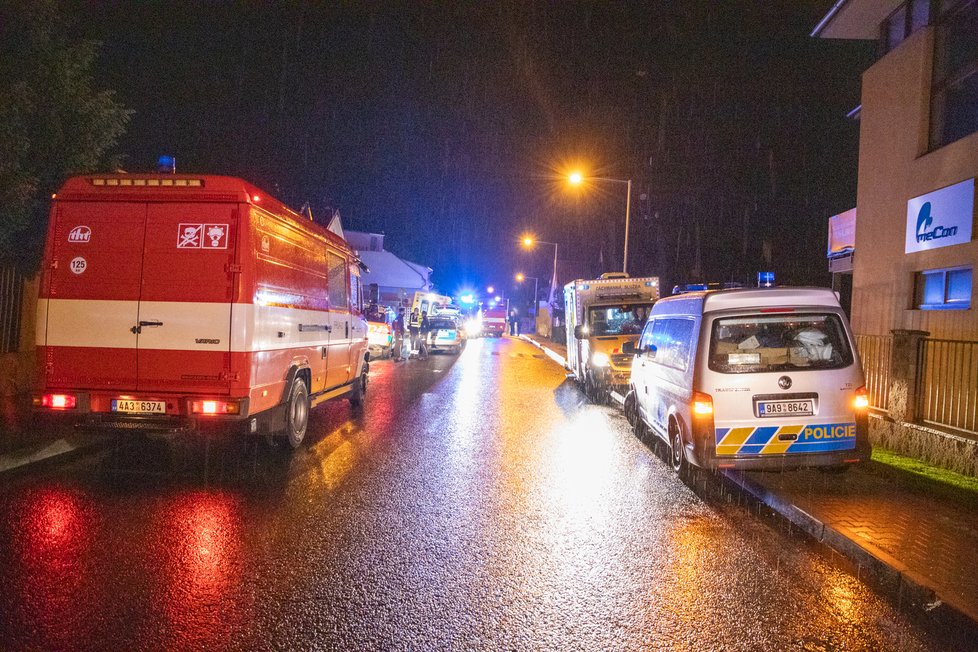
(490, 289)
(576, 179)
(529, 242)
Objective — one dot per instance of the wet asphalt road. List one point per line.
(477, 503)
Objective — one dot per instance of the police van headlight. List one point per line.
(600, 359)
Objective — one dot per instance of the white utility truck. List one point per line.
(601, 315)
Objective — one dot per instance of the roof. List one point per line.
(162, 187)
(713, 300)
(388, 270)
(855, 19)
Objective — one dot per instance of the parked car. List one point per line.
(380, 337)
(751, 379)
(445, 335)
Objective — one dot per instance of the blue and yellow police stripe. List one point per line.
(766, 440)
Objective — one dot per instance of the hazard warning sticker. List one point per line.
(202, 236)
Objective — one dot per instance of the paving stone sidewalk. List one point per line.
(918, 537)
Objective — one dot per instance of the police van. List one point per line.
(750, 379)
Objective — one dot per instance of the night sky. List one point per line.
(448, 126)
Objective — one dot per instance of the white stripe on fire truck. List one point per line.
(187, 326)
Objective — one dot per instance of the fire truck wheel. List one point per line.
(297, 414)
(359, 390)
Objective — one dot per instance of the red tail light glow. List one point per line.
(215, 407)
(59, 401)
(861, 401)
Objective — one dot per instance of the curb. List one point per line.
(893, 577)
(556, 357)
(57, 448)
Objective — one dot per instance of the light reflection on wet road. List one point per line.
(478, 502)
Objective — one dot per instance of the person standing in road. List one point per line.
(514, 323)
(397, 346)
(423, 329)
(414, 327)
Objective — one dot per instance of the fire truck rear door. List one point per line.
(185, 305)
(95, 267)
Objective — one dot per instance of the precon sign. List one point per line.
(941, 218)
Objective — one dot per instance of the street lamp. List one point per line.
(520, 277)
(529, 242)
(576, 179)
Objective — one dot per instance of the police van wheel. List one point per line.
(677, 453)
(297, 414)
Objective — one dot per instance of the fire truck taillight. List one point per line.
(215, 407)
(56, 401)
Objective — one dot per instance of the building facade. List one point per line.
(914, 308)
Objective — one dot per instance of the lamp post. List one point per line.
(520, 277)
(529, 242)
(576, 178)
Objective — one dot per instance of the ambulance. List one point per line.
(751, 379)
(194, 302)
(603, 315)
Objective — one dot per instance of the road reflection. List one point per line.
(50, 530)
(198, 549)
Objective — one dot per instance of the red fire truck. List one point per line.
(494, 320)
(176, 302)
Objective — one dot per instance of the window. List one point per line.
(943, 289)
(954, 99)
(672, 339)
(626, 319)
(761, 343)
(907, 19)
(355, 292)
(338, 299)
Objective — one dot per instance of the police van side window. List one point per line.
(338, 298)
(672, 339)
(646, 338)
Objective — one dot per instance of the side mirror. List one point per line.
(580, 331)
(629, 348)
(651, 349)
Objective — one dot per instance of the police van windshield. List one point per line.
(761, 343)
(623, 319)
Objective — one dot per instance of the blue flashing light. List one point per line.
(467, 298)
(166, 164)
(765, 279)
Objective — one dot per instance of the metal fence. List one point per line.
(11, 304)
(947, 388)
(874, 351)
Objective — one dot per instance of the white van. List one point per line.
(751, 379)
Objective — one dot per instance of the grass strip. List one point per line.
(927, 471)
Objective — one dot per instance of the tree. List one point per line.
(53, 121)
